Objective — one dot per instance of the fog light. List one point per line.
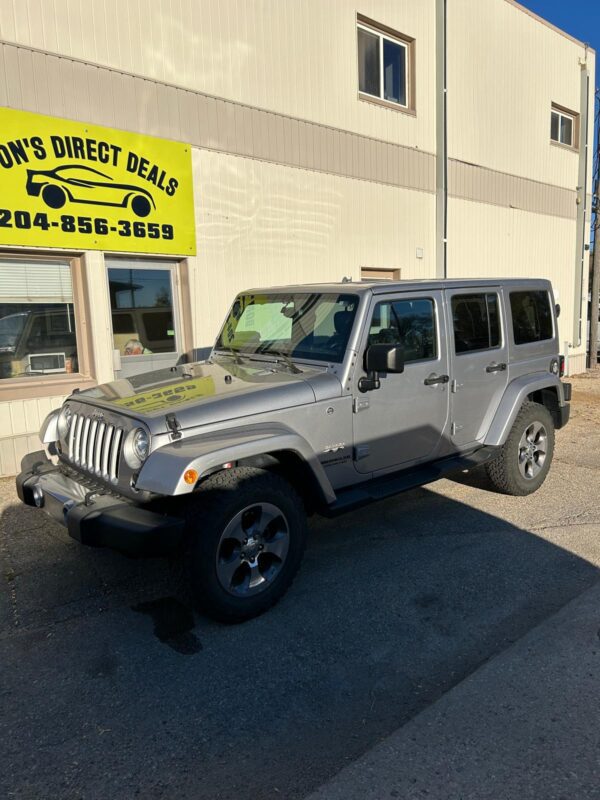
(38, 496)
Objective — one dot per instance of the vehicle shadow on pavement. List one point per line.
(476, 478)
(394, 605)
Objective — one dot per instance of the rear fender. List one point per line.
(164, 470)
(515, 395)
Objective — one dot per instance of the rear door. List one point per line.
(479, 361)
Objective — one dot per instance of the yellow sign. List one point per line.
(71, 185)
(168, 396)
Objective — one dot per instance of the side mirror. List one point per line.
(380, 358)
(557, 309)
(384, 358)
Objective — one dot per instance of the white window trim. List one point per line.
(382, 36)
(560, 115)
(111, 262)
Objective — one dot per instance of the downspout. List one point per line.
(441, 160)
(582, 207)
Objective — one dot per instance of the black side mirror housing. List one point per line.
(380, 358)
(384, 358)
(557, 310)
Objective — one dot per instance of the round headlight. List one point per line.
(64, 421)
(141, 444)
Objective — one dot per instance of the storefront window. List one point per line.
(141, 301)
(37, 319)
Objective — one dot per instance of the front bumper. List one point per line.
(98, 520)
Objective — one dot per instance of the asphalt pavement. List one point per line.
(523, 727)
(111, 688)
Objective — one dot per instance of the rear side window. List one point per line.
(476, 322)
(409, 323)
(531, 316)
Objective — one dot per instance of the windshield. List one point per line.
(11, 328)
(312, 326)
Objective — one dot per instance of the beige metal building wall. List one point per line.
(500, 95)
(264, 224)
(514, 194)
(295, 57)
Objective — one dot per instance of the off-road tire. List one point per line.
(216, 503)
(504, 471)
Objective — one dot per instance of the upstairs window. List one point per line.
(563, 126)
(383, 64)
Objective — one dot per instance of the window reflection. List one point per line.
(141, 302)
(37, 320)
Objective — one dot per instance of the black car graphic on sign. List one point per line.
(86, 185)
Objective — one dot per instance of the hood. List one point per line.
(206, 392)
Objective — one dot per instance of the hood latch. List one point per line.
(173, 426)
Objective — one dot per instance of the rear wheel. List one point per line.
(247, 534)
(524, 460)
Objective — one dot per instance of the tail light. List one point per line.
(561, 366)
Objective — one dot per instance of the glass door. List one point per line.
(144, 313)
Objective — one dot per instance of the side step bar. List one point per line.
(390, 485)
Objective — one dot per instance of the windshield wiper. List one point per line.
(288, 361)
(233, 353)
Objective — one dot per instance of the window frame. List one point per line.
(54, 384)
(380, 274)
(553, 323)
(408, 43)
(485, 293)
(435, 316)
(561, 111)
(173, 266)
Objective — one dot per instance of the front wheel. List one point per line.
(524, 460)
(247, 534)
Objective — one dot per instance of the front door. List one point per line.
(479, 362)
(404, 420)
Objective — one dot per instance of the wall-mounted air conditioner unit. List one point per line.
(46, 362)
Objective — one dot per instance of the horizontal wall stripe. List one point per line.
(482, 185)
(34, 80)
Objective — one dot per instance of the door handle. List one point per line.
(433, 379)
(495, 367)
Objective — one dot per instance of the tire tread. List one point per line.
(209, 504)
(502, 471)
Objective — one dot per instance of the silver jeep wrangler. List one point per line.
(314, 399)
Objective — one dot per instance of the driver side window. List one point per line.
(408, 323)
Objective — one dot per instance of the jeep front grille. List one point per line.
(95, 446)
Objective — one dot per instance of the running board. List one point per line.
(390, 485)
